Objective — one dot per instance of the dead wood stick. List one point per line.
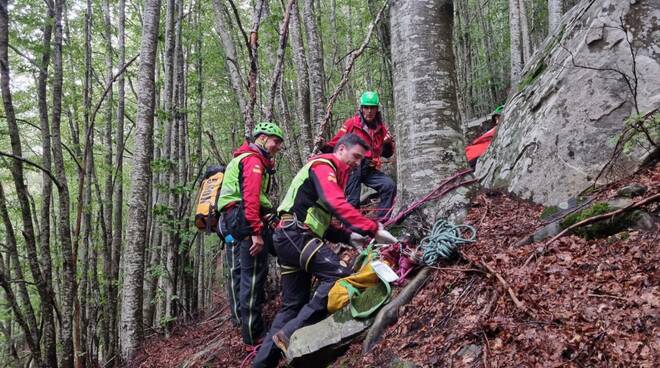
(589, 220)
(608, 296)
(456, 269)
(486, 350)
(519, 304)
(390, 312)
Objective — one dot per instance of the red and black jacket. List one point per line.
(251, 175)
(326, 184)
(374, 136)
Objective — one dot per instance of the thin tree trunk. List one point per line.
(488, 45)
(296, 152)
(68, 269)
(16, 168)
(83, 187)
(199, 69)
(315, 67)
(253, 73)
(107, 199)
(277, 70)
(524, 32)
(118, 187)
(302, 83)
(231, 58)
(83, 289)
(14, 259)
(131, 306)
(554, 14)
(516, 54)
(92, 308)
(10, 298)
(49, 334)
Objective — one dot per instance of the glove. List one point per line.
(384, 237)
(358, 240)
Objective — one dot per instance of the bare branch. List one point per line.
(240, 25)
(26, 57)
(344, 79)
(277, 71)
(52, 177)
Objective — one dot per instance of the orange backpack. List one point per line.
(206, 215)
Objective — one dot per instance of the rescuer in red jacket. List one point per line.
(245, 210)
(315, 196)
(368, 125)
(479, 146)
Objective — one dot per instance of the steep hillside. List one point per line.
(581, 303)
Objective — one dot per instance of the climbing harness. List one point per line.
(443, 242)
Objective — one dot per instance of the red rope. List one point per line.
(253, 352)
(436, 193)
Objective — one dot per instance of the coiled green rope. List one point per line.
(443, 242)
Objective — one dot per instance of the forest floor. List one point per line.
(583, 303)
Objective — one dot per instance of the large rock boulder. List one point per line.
(561, 126)
(319, 344)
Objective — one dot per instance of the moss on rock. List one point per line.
(603, 228)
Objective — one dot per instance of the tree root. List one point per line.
(390, 313)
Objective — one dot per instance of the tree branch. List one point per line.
(240, 25)
(277, 71)
(26, 57)
(589, 220)
(52, 177)
(344, 78)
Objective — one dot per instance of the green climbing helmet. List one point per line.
(268, 128)
(369, 98)
(498, 110)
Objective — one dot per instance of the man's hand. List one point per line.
(257, 245)
(358, 240)
(383, 236)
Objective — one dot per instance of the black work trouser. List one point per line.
(246, 286)
(375, 179)
(299, 308)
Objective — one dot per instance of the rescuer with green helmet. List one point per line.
(368, 125)
(314, 198)
(245, 207)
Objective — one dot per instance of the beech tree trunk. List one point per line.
(302, 82)
(429, 138)
(516, 52)
(118, 188)
(49, 334)
(231, 58)
(64, 225)
(554, 14)
(315, 67)
(131, 306)
(524, 32)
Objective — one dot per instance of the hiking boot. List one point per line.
(281, 341)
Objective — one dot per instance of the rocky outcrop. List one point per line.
(561, 126)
